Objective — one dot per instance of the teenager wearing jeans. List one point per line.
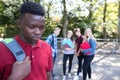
(78, 42)
(68, 51)
(88, 36)
(52, 40)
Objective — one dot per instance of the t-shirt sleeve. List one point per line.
(50, 64)
(49, 39)
(6, 61)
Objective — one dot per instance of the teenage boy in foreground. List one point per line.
(37, 64)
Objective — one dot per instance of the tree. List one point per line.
(67, 14)
(109, 19)
(104, 19)
(2, 6)
(118, 29)
(65, 21)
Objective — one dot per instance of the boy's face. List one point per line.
(77, 33)
(57, 32)
(32, 27)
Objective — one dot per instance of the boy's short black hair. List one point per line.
(33, 8)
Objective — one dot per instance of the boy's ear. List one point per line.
(18, 23)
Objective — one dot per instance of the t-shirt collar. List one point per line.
(23, 43)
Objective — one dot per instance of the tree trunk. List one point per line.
(65, 21)
(118, 29)
(49, 8)
(104, 20)
(91, 13)
(90, 9)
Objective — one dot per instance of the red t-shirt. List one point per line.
(40, 56)
(85, 45)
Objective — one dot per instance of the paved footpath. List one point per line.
(105, 66)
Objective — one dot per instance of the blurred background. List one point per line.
(103, 16)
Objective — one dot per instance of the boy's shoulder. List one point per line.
(44, 43)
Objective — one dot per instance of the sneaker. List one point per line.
(76, 77)
(69, 75)
(64, 77)
(80, 74)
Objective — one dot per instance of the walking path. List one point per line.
(105, 66)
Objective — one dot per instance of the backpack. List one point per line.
(15, 48)
(52, 42)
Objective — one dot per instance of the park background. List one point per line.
(102, 16)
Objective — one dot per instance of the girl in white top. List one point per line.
(68, 50)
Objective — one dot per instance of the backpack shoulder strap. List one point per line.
(52, 42)
(15, 48)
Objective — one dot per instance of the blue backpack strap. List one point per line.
(15, 48)
(52, 42)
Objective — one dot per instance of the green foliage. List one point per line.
(81, 22)
(111, 20)
(50, 25)
(11, 30)
(2, 6)
(9, 16)
(9, 13)
(2, 30)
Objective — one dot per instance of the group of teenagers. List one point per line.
(40, 56)
(83, 47)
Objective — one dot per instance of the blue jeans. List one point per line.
(53, 59)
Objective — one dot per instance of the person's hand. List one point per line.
(53, 50)
(77, 54)
(67, 49)
(20, 69)
(73, 49)
(81, 50)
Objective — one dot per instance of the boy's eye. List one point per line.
(30, 26)
(41, 28)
